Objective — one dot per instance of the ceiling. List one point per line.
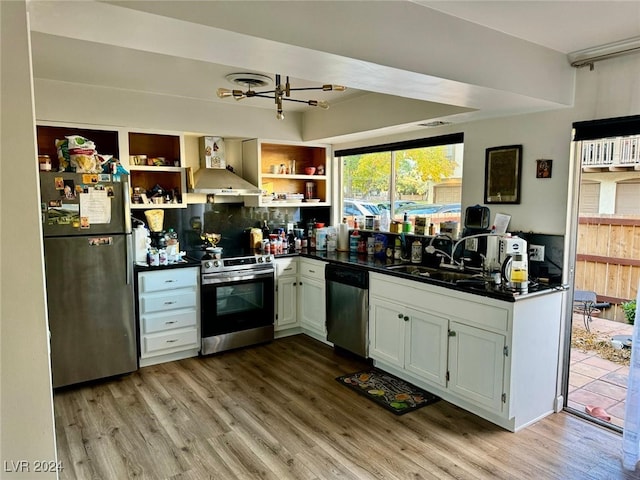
(381, 51)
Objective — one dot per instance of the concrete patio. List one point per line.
(596, 381)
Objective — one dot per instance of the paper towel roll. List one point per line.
(343, 237)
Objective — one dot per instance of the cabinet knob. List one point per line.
(452, 333)
(400, 315)
(406, 318)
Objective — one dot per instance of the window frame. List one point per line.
(392, 148)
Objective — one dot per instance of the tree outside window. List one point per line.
(426, 181)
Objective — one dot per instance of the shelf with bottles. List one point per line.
(282, 169)
(155, 163)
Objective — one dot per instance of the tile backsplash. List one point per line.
(230, 220)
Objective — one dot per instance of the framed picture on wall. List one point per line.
(502, 172)
(543, 168)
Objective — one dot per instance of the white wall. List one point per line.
(25, 395)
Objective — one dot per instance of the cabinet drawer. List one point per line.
(167, 279)
(169, 340)
(158, 322)
(167, 301)
(312, 269)
(287, 266)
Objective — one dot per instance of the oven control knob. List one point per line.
(260, 259)
(208, 264)
(216, 264)
(268, 258)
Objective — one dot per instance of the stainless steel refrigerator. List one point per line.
(89, 274)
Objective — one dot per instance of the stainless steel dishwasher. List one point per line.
(348, 308)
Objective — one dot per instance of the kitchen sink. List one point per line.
(433, 273)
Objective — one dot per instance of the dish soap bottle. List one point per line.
(406, 223)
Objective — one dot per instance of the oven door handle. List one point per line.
(235, 277)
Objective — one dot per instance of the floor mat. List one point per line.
(389, 391)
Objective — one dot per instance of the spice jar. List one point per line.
(45, 163)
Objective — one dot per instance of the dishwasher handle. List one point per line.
(355, 277)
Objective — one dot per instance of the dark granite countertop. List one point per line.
(188, 262)
(381, 265)
(478, 287)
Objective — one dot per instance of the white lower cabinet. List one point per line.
(426, 338)
(495, 358)
(409, 339)
(168, 314)
(311, 298)
(476, 365)
(286, 293)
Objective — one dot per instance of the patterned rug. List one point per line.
(391, 392)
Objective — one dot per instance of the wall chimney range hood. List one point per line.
(214, 176)
(220, 181)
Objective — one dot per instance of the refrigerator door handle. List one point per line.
(129, 260)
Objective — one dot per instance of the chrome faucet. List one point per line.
(430, 249)
(457, 264)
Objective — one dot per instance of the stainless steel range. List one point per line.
(237, 302)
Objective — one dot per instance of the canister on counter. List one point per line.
(416, 251)
(353, 241)
(255, 238)
(153, 258)
(163, 259)
(368, 222)
(370, 246)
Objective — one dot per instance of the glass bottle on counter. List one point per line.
(406, 223)
(173, 247)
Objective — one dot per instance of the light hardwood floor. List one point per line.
(275, 411)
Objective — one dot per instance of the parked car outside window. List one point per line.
(357, 208)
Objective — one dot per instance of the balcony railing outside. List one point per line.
(612, 153)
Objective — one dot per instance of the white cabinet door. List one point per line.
(287, 301)
(311, 305)
(387, 331)
(476, 365)
(426, 346)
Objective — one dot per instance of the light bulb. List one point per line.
(280, 115)
(337, 88)
(224, 92)
(315, 103)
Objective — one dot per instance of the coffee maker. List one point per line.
(515, 265)
(158, 239)
(155, 219)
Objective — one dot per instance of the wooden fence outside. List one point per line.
(608, 260)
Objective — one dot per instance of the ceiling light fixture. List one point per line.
(279, 94)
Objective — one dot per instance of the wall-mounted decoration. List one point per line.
(502, 174)
(212, 151)
(543, 168)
